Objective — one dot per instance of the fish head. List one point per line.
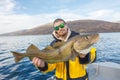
(85, 41)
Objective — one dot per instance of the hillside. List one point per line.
(89, 26)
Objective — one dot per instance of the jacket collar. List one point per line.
(59, 38)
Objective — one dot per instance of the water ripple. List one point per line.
(107, 50)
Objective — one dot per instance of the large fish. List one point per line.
(63, 53)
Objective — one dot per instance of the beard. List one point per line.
(63, 33)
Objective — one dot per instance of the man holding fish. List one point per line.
(75, 68)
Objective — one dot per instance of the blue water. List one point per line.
(108, 49)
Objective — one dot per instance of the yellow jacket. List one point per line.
(76, 69)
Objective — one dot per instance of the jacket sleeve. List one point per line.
(48, 67)
(89, 58)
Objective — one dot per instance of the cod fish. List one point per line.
(64, 53)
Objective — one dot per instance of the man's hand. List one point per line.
(38, 62)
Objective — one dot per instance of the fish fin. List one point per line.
(32, 48)
(48, 48)
(18, 56)
(58, 44)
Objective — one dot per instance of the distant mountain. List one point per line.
(83, 26)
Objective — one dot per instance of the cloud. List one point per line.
(116, 16)
(7, 6)
(108, 14)
(15, 22)
(100, 14)
(9, 21)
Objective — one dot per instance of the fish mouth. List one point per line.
(95, 41)
(95, 38)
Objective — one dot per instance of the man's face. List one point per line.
(61, 31)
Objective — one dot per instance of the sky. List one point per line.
(26, 14)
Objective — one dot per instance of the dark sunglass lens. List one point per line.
(62, 25)
(56, 28)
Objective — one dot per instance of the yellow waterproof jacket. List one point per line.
(76, 69)
(71, 69)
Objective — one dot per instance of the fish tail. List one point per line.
(18, 56)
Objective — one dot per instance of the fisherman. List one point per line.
(72, 69)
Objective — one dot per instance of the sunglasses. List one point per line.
(60, 26)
